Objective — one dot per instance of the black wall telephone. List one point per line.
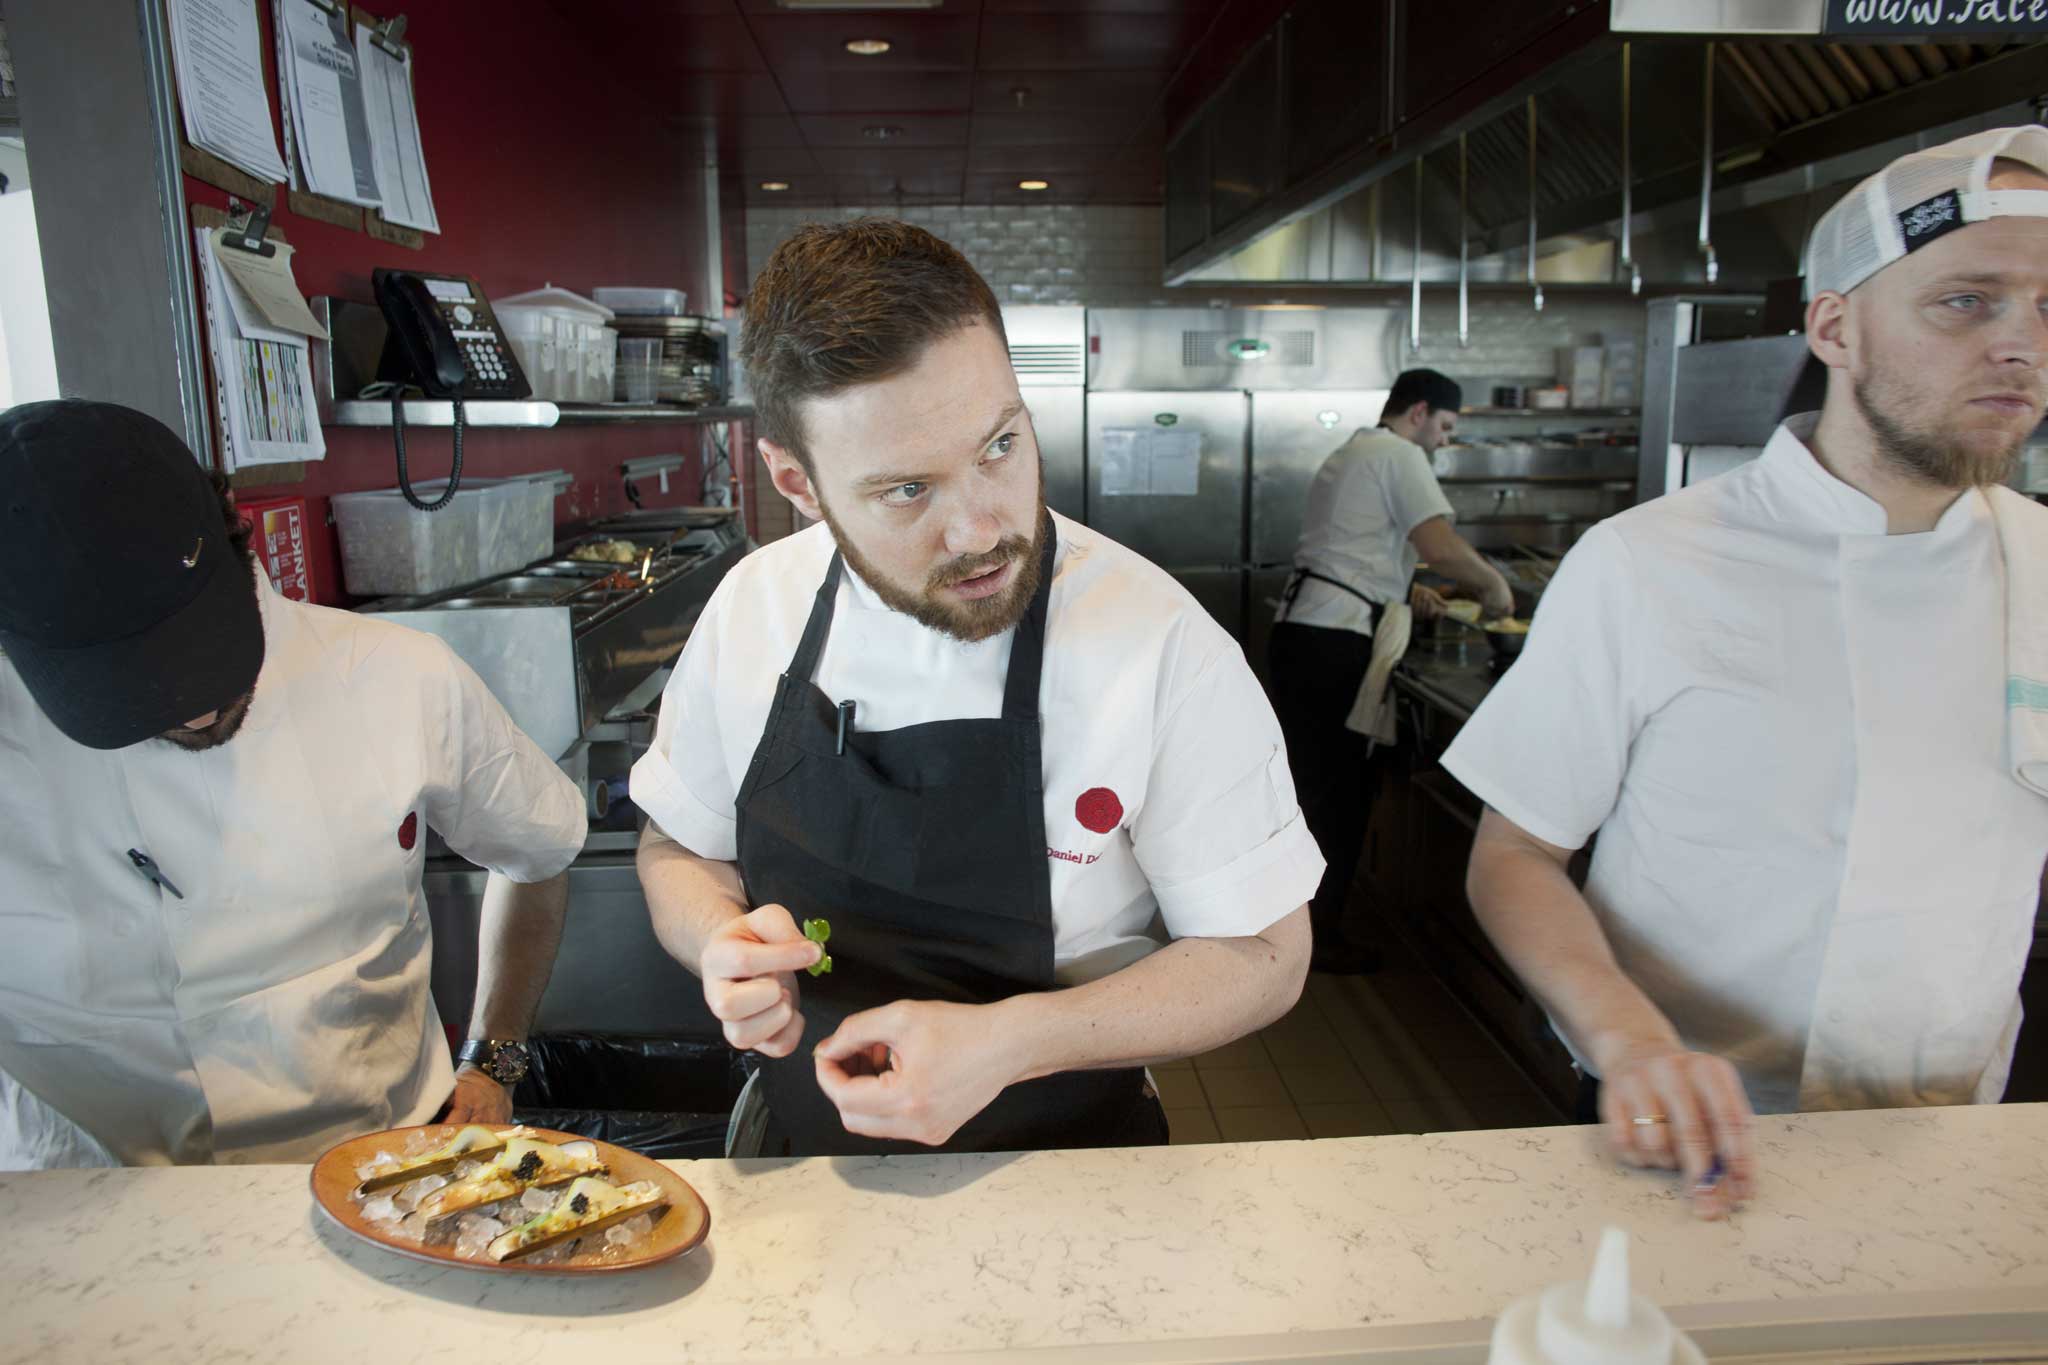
(444, 340)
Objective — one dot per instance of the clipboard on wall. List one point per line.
(250, 476)
(389, 36)
(203, 165)
(303, 201)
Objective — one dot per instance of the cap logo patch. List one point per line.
(1931, 218)
(191, 561)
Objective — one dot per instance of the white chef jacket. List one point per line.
(283, 1003)
(1169, 809)
(1372, 491)
(1788, 728)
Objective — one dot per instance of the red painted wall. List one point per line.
(548, 164)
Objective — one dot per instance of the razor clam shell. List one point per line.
(658, 1206)
(548, 1180)
(409, 1170)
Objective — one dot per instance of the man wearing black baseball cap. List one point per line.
(210, 844)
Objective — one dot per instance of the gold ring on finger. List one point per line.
(1648, 1120)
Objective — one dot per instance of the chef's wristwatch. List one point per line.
(501, 1059)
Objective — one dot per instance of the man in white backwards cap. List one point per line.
(1805, 708)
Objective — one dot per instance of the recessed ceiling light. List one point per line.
(1033, 185)
(868, 47)
(882, 132)
(775, 186)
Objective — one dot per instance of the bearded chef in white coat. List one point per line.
(1805, 707)
(213, 813)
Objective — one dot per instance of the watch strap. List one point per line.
(485, 1052)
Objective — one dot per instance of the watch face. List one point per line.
(508, 1064)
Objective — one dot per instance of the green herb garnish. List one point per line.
(817, 931)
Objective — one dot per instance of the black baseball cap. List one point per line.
(123, 604)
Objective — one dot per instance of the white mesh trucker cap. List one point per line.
(1917, 199)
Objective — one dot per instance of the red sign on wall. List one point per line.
(280, 525)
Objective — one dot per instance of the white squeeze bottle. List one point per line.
(1595, 1321)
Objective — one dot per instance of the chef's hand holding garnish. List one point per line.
(749, 967)
(1665, 1107)
(1427, 603)
(915, 1070)
(478, 1098)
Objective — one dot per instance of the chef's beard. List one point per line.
(932, 606)
(224, 728)
(1929, 454)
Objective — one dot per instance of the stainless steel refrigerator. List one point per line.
(1047, 350)
(1270, 394)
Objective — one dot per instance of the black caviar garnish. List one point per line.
(580, 1205)
(529, 1166)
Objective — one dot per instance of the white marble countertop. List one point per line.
(1886, 1227)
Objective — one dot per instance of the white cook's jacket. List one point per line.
(1789, 729)
(282, 1003)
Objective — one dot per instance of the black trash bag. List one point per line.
(663, 1097)
(663, 1136)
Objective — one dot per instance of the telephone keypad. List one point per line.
(485, 361)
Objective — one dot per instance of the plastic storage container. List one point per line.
(692, 351)
(579, 369)
(639, 373)
(391, 549)
(642, 301)
(601, 362)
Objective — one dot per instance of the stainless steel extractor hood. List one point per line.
(1740, 104)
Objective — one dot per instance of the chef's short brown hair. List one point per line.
(843, 304)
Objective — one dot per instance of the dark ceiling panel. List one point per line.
(763, 130)
(1096, 74)
(943, 92)
(725, 94)
(984, 188)
(907, 164)
(1113, 92)
(1089, 41)
(793, 164)
(1171, 7)
(666, 39)
(882, 189)
(849, 130)
(946, 7)
(809, 43)
(1027, 130)
(1043, 161)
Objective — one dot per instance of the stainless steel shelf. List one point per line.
(1548, 412)
(653, 412)
(439, 412)
(1612, 482)
(528, 413)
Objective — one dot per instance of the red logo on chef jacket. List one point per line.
(1099, 812)
(409, 832)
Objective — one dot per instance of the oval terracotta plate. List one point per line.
(681, 1229)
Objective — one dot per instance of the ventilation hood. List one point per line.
(1626, 126)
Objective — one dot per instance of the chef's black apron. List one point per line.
(925, 849)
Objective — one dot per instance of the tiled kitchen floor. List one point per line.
(1359, 1055)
